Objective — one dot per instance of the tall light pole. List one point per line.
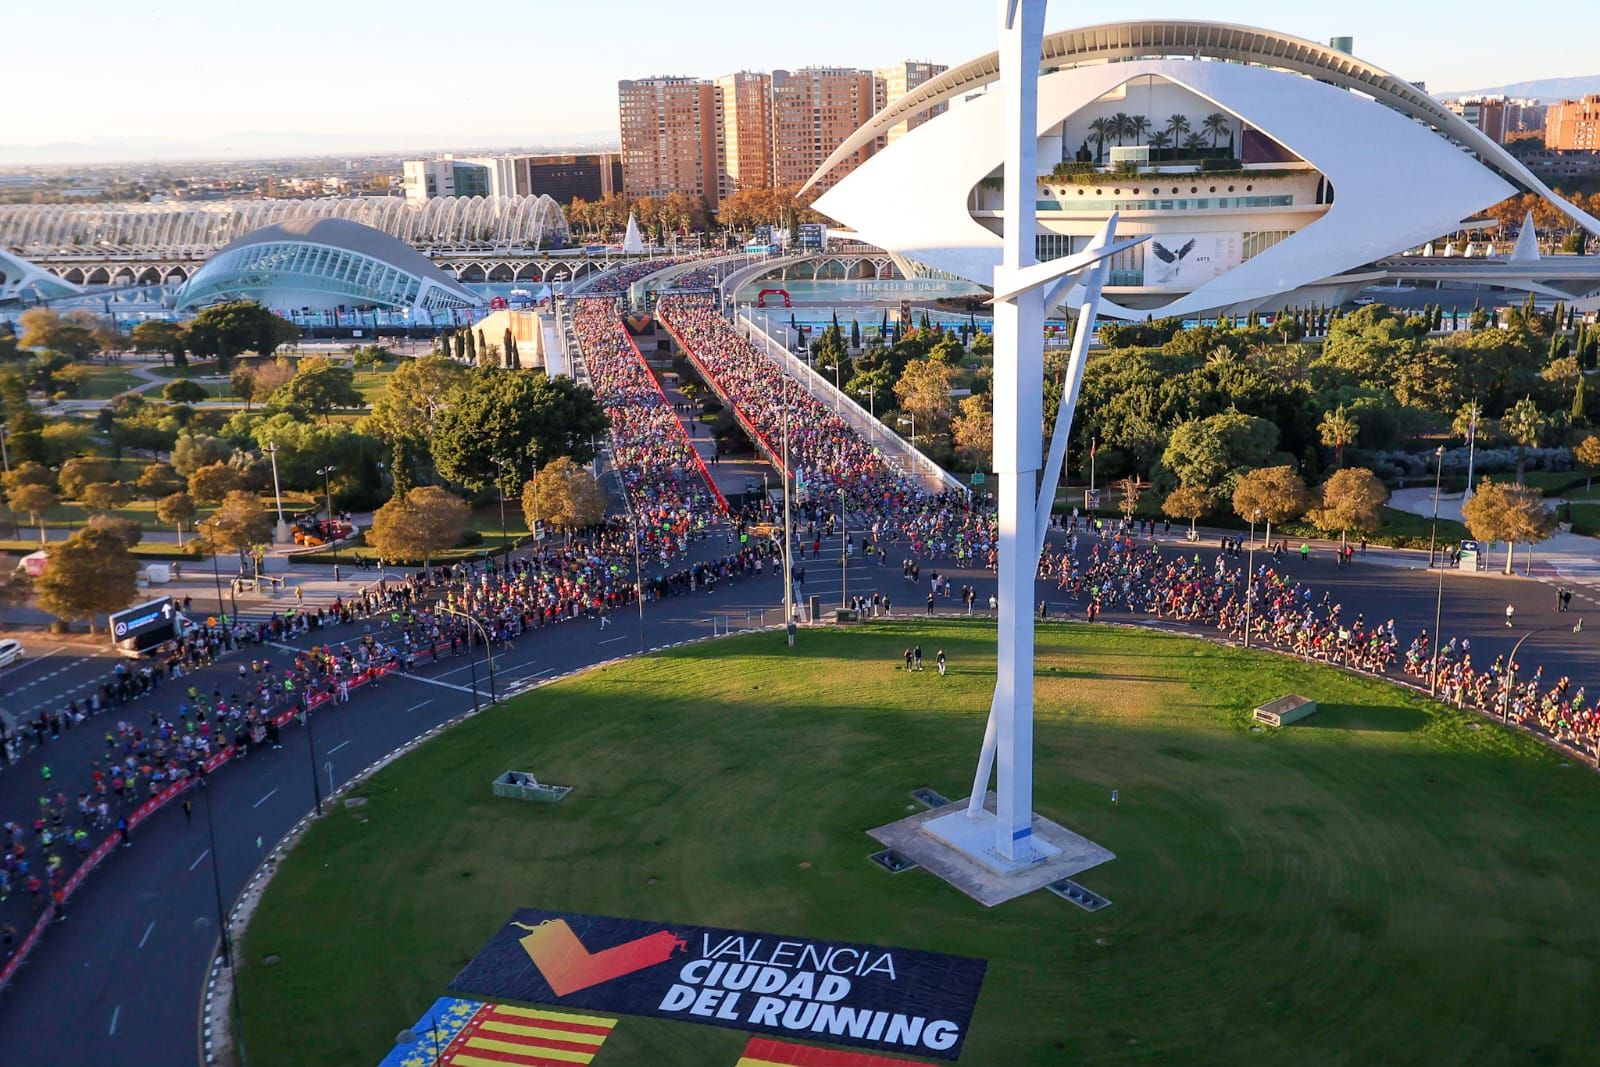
(1438, 600)
(500, 487)
(912, 420)
(311, 749)
(333, 522)
(281, 534)
(488, 652)
(5, 458)
(788, 545)
(844, 553)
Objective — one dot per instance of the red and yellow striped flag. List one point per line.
(498, 1036)
(765, 1052)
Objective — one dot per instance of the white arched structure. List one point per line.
(21, 280)
(1391, 153)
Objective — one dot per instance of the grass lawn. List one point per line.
(1378, 885)
(195, 369)
(102, 382)
(372, 384)
(486, 521)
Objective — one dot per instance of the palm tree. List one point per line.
(1194, 142)
(1099, 130)
(1121, 126)
(1338, 428)
(1524, 423)
(1178, 125)
(1216, 124)
(1138, 126)
(1160, 139)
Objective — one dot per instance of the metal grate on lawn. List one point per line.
(1087, 899)
(892, 861)
(930, 798)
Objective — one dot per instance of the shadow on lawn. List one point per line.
(1386, 718)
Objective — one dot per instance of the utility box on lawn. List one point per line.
(1285, 710)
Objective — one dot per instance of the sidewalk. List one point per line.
(1565, 557)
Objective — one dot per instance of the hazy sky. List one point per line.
(533, 71)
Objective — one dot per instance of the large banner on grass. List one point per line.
(865, 995)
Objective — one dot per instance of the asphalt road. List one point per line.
(121, 980)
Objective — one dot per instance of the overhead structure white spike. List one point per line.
(632, 243)
(1526, 250)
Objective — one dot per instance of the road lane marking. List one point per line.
(424, 704)
(192, 866)
(149, 928)
(264, 799)
(337, 747)
(610, 640)
(116, 1013)
(432, 681)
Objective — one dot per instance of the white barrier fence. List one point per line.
(935, 478)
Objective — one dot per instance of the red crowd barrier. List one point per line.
(143, 812)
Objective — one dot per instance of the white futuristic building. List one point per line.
(1265, 169)
(22, 282)
(323, 264)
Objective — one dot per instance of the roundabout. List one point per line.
(1387, 881)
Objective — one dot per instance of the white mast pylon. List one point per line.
(1024, 290)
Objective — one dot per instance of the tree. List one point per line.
(1338, 429)
(563, 494)
(1187, 502)
(1131, 489)
(1524, 423)
(305, 446)
(73, 334)
(78, 473)
(30, 472)
(224, 331)
(320, 387)
(156, 335)
(89, 572)
(526, 420)
(1352, 499)
(1509, 513)
(1216, 124)
(183, 391)
(426, 521)
(1213, 452)
(1587, 455)
(972, 431)
(211, 484)
(176, 510)
(924, 393)
(193, 451)
(271, 375)
(157, 480)
(127, 531)
(243, 384)
(419, 389)
(1273, 493)
(238, 524)
(35, 499)
(106, 496)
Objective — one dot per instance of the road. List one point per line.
(121, 980)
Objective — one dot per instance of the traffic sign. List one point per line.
(977, 477)
(141, 627)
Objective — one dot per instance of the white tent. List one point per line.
(632, 243)
(1526, 250)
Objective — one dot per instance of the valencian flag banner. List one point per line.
(898, 1000)
(765, 1052)
(464, 1033)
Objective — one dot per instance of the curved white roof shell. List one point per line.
(1398, 183)
(324, 263)
(21, 280)
(1193, 40)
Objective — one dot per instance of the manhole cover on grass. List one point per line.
(892, 861)
(271, 959)
(930, 797)
(355, 802)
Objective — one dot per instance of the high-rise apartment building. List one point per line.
(813, 111)
(1573, 125)
(746, 100)
(424, 179)
(1487, 113)
(901, 79)
(671, 137)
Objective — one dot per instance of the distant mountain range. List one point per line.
(1548, 90)
(266, 144)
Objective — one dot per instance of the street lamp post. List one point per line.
(5, 458)
(1438, 480)
(222, 921)
(333, 522)
(1249, 590)
(500, 487)
(788, 544)
(844, 553)
(281, 533)
(1438, 599)
(216, 571)
(311, 749)
(1511, 678)
(472, 661)
(912, 419)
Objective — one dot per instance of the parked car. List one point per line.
(11, 651)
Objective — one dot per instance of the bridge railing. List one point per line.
(759, 326)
